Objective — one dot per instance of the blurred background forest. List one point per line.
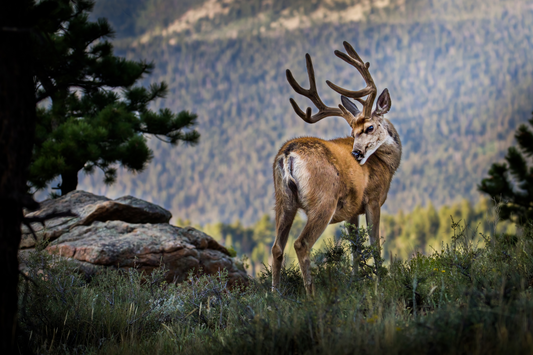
(422, 230)
(459, 72)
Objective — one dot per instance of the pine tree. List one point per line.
(97, 116)
(511, 184)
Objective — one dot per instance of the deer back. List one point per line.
(316, 170)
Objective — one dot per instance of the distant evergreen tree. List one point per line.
(264, 230)
(97, 117)
(511, 184)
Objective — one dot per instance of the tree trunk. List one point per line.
(69, 182)
(17, 126)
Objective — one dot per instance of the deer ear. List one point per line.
(383, 104)
(350, 106)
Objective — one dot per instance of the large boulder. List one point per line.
(125, 233)
(89, 208)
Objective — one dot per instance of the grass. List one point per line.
(472, 296)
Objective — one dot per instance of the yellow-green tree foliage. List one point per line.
(426, 229)
(422, 230)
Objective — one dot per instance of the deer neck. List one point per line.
(390, 152)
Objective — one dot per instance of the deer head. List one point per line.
(369, 133)
(369, 129)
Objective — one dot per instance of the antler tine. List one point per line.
(351, 51)
(310, 73)
(312, 94)
(355, 60)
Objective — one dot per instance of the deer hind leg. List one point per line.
(284, 218)
(315, 226)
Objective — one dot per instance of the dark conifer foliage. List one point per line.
(511, 183)
(98, 115)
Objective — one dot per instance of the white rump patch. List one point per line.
(300, 175)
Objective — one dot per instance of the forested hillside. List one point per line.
(460, 74)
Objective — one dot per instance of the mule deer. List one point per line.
(334, 180)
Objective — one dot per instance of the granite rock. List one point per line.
(127, 233)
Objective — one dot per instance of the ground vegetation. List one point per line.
(465, 297)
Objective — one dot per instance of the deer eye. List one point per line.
(370, 129)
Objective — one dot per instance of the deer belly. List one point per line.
(346, 209)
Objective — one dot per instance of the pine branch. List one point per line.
(524, 138)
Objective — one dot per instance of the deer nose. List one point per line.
(357, 154)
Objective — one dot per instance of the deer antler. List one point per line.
(353, 59)
(312, 94)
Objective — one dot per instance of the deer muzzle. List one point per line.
(358, 155)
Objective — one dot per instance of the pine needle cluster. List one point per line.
(510, 184)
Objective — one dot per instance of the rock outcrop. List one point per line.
(89, 208)
(125, 233)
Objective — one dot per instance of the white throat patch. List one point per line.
(389, 140)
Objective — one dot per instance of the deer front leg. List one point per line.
(353, 229)
(373, 211)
